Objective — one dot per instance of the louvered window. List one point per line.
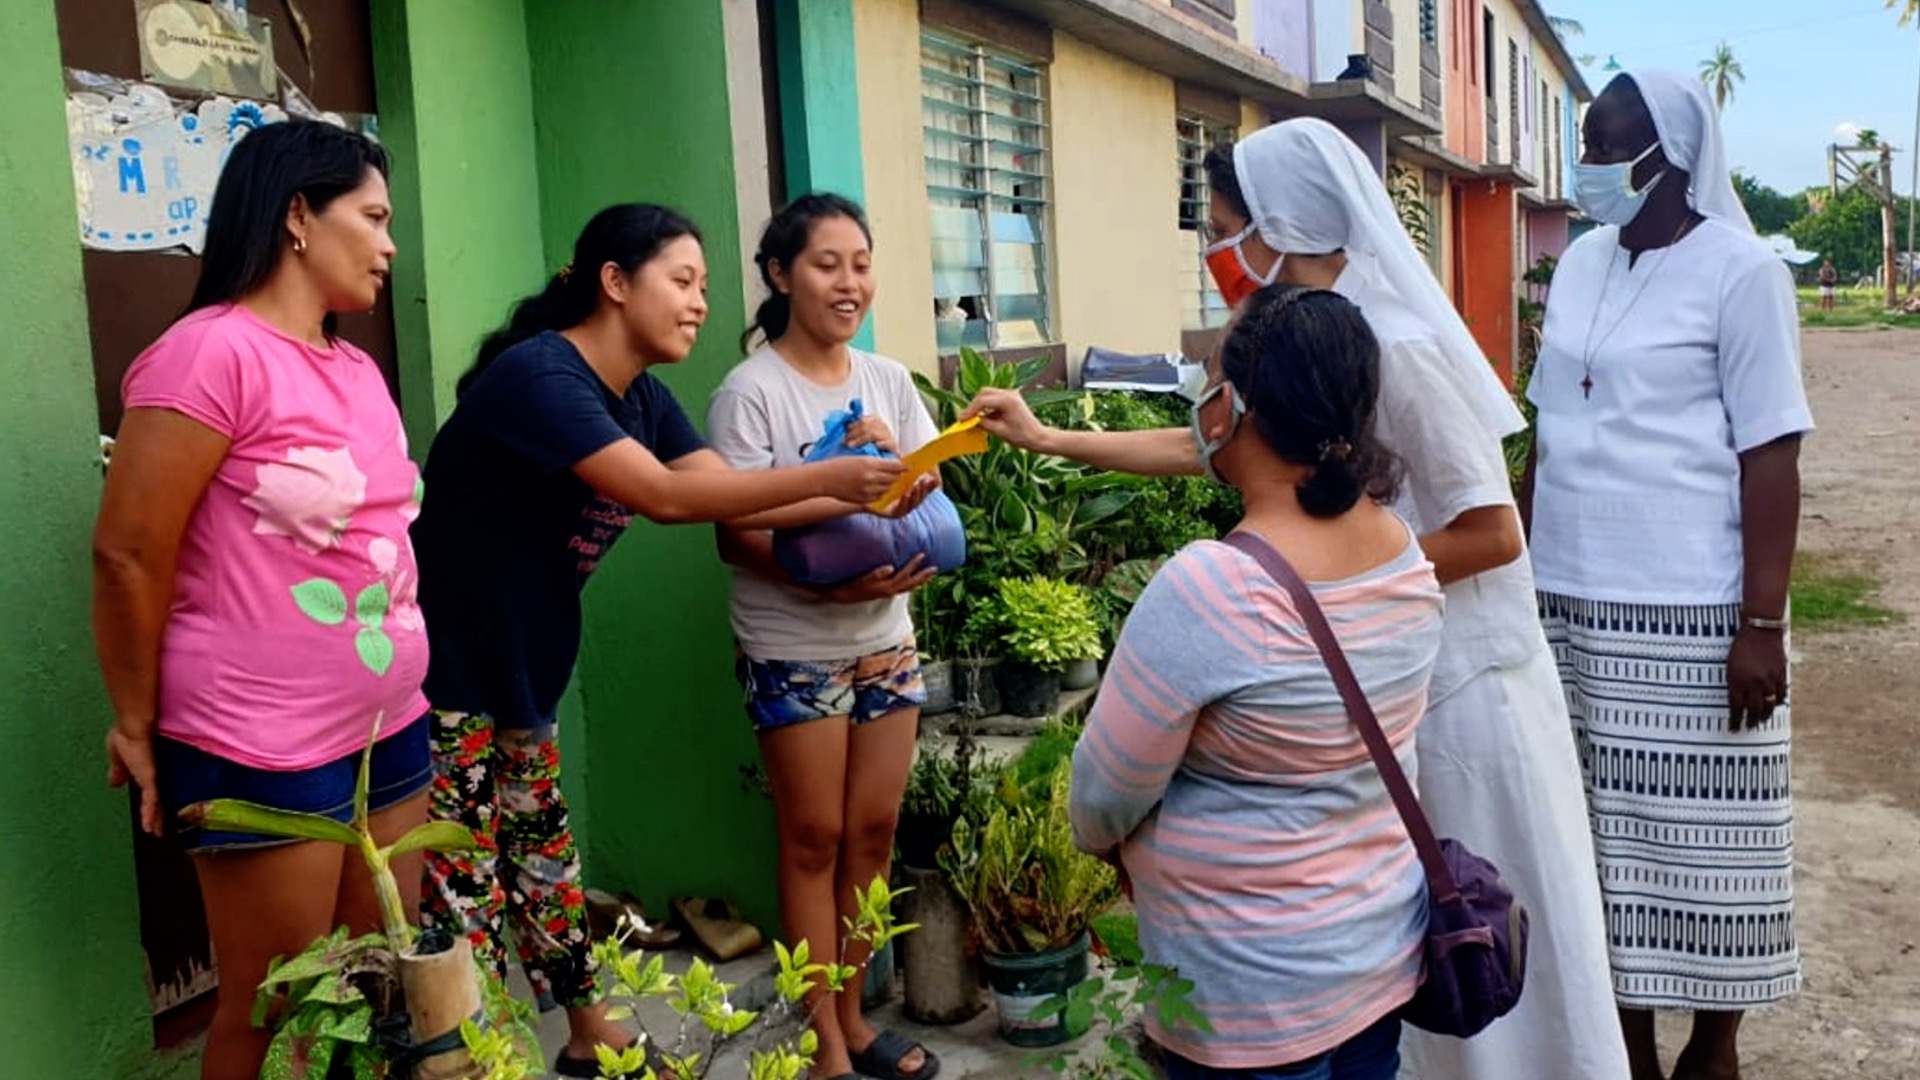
(984, 122)
(1201, 303)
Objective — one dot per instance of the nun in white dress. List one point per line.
(1497, 766)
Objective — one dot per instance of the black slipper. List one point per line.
(882, 1057)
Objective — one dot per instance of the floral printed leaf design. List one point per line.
(322, 601)
(376, 650)
(309, 497)
(370, 607)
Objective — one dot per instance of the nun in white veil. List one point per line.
(1498, 767)
(1664, 506)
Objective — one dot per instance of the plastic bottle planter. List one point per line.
(1022, 983)
(937, 675)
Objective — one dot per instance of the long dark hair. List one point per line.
(786, 236)
(1308, 367)
(247, 223)
(628, 235)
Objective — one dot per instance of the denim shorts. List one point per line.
(784, 692)
(1374, 1054)
(402, 767)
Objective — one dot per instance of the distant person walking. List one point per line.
(1829, 281)
(1665, 503)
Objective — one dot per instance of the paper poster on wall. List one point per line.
(144, 168)
(198, 46)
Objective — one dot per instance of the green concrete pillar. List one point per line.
(820, 103)
(69, 915)
(456, 109)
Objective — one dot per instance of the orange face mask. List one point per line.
(1227, 262)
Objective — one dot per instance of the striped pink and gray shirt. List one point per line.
(1268, 864)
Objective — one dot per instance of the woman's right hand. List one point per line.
(1007, 416)
(130, 759)
(860, 478)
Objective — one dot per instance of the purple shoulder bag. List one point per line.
(1476, 947)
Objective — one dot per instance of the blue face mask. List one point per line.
(1606, 192)
(1206, 447)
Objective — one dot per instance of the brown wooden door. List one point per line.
(131, 298)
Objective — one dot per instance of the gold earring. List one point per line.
(299, 245)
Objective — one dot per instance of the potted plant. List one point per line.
(1033, 896)
(1045, 624)
(933, 625)
(394, 993)
(941, 983)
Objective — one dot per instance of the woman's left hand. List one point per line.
(870, 430)
(1756, 676)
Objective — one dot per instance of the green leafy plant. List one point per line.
(940, 789)
(1408, 187)
(330, 999)
(709, 1021)
(1029, 888)
(1115, 1000)
(1047, 622)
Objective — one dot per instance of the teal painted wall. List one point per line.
(819, 68)
(456, 109)
(75, 1002)
(632, 105)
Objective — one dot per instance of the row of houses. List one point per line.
(1056, 199)
(1032, 172)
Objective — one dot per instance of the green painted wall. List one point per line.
(74, 998)
(456, 109)
(632, 106)
(820, 103)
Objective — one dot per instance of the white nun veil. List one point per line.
(1689, 128)
(1311, 191)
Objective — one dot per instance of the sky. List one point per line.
(1812, 65)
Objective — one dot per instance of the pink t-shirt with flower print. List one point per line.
(294, 621)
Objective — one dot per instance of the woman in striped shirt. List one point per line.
(1219, 768)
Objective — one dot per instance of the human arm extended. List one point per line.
(1155, 452)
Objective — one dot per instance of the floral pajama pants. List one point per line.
(525, 868)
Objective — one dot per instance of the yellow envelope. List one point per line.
(963, 438)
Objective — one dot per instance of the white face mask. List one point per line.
(1606, 192)
(1207, 448)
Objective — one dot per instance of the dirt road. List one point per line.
(1856, 713)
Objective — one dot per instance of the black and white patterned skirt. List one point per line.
(1692, 822)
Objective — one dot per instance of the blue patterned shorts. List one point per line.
(783, 692)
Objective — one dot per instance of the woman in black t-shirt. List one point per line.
(560, 436)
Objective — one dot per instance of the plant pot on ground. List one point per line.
(1081, 674)
(1045, 624)
(1033, 897)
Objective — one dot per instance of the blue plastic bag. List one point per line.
(845, 548)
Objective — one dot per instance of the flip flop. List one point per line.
(882, 1057)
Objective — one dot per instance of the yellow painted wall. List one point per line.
(1115, 202)
(887, 39)
(1252, 119)
(1406, 51)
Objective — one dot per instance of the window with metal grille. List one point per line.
(1430, 22)
(983, 118)
(1516, 119)
(1201, 304)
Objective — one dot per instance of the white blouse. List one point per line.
(1652, 380)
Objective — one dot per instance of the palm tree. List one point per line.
(1906, 16)
(1723, 71)
(1571, 28)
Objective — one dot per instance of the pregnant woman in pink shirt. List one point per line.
(254, 585)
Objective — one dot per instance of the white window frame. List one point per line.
(974, 100)
(1193, 136)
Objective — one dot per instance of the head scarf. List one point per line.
(1689, 128)
(1311, 191)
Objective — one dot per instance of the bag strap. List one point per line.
(1439, 878)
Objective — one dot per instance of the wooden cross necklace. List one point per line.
(1586, 381)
